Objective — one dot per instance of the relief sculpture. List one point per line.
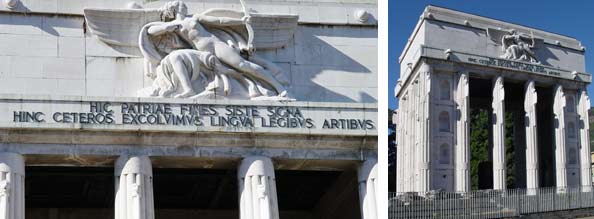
(515, 46)
(206, 55)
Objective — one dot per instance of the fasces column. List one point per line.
(498, 134)
(424, 162)
(530, 99)
(257, 189)
(134, 188)
(12, 186)
(399, 150)
(368, 193)
(462, 135)
(560, 148)
(585, 159)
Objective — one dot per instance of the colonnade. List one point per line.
(433, 134)
(134, 188)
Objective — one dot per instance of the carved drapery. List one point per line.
(257, 189)
(134, 188)
(12, 186)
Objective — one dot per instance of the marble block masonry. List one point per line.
(255, 86)
(454, 63)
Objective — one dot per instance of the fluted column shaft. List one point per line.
(462, 135)
(498, 105)
(12, 186)
(424, 161)
(368, 191)
(134, 188)
(585, 159)
(257, 189)
(560, 147)
(530, 100)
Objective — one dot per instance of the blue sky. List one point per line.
(570, 17)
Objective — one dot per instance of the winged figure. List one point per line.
(203, 55)
(515, 46)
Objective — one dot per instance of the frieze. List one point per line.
(287, 117)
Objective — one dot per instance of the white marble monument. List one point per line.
(261, 89)
(457, 63)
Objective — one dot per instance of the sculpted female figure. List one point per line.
(223, 58)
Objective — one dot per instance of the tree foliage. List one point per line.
(479, 143)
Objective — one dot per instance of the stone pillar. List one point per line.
(368, 192)
(462, 155)
(560, 147)
(498, 134)
(399, 150)
(585, 159)
(257, 189)
(403, 145)
(12, 186)
(134, 188)
(530, 99)
(424, 162)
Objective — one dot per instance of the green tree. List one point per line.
(479, 142)
(510, 159)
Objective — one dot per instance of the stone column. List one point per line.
(462, 135)
(403, 145)
(498, 134)
(368, 192)
(560, 148)
(530, 99)
(134, 188)
(399, 149)
(424, 162)
(12, 186)
(585, 159)
(257, 189)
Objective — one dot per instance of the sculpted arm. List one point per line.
(162, 28)
(220, 21)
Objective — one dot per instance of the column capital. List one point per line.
(134, 188)
(12, 162)
(256, 166)
(12, 186)
(257, 188)
(138, 164)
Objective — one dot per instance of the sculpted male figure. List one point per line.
(191, 30)
(516, 47)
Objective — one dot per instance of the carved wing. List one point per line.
(119, 27)
(270, 30)
(496, 34)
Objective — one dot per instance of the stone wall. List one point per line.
(49, 50)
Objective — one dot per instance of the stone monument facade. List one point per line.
(274, 101)
(455, 63)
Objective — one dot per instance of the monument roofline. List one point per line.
(437, 13)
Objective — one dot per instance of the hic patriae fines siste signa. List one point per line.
(245, 109)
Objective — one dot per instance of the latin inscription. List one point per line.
(235, 116)
(513, 65)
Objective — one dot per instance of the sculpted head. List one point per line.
(173, 10)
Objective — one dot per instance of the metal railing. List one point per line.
(487, 203)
